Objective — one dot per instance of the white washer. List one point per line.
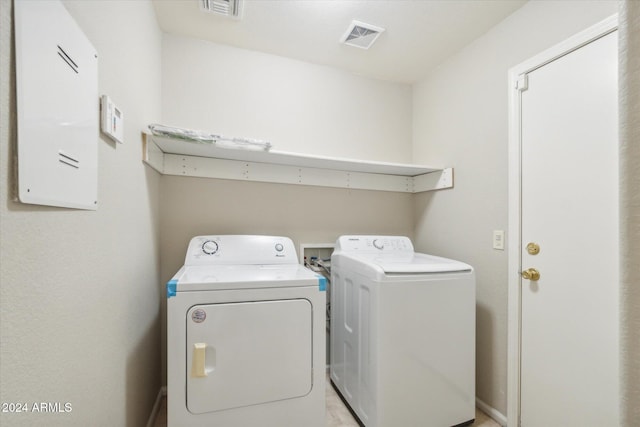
(402, 334)
(245, 336)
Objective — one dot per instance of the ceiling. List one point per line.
(419, 34)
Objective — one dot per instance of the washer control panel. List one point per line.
(241, 250)
(368, 244)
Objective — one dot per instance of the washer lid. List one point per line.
(418, 263)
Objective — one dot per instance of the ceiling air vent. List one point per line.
(361, 35)
(230, 8)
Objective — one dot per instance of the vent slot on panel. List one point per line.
(68, 160)
(229, 8)
(66, 58)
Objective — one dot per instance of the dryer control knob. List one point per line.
(378, 244)
(279, 247)
(209, 247)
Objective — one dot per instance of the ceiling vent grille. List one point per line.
(360, 34)
(230, 8)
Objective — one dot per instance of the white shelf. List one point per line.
(171, 156)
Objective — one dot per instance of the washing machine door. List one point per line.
(247, 353)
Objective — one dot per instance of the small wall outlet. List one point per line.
(112, 119)
(498, 239)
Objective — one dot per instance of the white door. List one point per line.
(569, 207)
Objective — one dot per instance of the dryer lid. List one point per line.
(235, 275)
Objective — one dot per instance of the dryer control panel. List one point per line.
(374, 244)
(240, 250)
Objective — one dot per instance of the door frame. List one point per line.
(517, 84)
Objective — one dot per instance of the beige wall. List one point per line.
(298, 106)
(629, 74)
(196, 206)
(81, 304)
(79, 294)
(461, 120)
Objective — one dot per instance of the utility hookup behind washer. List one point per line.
(245, 336)
(402, 333)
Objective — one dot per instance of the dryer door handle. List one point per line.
(198, 360)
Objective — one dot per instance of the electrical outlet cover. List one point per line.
(112, 119)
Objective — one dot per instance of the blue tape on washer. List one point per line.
(322, 283)
(171, 288)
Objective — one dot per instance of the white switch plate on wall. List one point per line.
(112, 119)
(498, 239)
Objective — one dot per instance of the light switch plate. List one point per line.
(498, 239)
(112, 119)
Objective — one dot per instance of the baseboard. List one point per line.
(496, 415)
(156, 406)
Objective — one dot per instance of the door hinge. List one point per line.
(522, 83)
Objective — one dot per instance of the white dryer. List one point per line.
(402, 334)
(245, 336)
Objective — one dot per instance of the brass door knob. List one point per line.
(533, 248)
(531, 274)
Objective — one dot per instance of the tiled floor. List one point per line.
(337, 413)
(483, 420)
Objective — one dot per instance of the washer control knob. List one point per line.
(209, 247)
(378, 244)
(279, 247)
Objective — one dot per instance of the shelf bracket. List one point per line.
(437, 180)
